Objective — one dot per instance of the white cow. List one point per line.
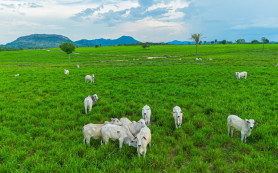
(244, 126)
(16, 75)
(135, 127)
(115, 132)
(66, 71)
(146, 114)
(177, 114)
(125, 120)
(77, 65)
(89, 102)
(143, 139)
(93, 130)
(90, 78)
(241, 75)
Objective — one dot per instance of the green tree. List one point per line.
(212, 42)
(196, 38)
(68, 48)
(224, 42)
(255, 42)
(215, 41)
(240, 41)
(265, 41)
(145, 45)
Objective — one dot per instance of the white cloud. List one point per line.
(146, 20)
(152, 30)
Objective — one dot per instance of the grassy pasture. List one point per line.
(42, 111)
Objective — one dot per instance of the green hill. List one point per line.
(53, 41)
(39, 41)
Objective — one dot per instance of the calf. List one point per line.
(146, 114)
(66, 71)
(114, 132)
(143, 139)
(89, 102)
(177, 114)
(125, 120)
(244, 126)
(93, 130)
(135, 127)
(90, 78)
(241, 75)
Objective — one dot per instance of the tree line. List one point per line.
(197, 39)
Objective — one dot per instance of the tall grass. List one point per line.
(42, 111)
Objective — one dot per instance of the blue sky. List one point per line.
(145, 20)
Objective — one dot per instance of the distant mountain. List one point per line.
(53, 41)
(39, 41)
(84, 43)
(176, 42)
(122, 40)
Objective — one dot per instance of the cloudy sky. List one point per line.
(145, 20)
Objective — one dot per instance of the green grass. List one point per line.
(42, 111)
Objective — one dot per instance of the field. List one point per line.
(42, 110)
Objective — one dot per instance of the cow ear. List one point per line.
(181, 112)
(246, 120)
(111, 119)
(134, 138)
(173, 112)
(255, 122)
(144, 138)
